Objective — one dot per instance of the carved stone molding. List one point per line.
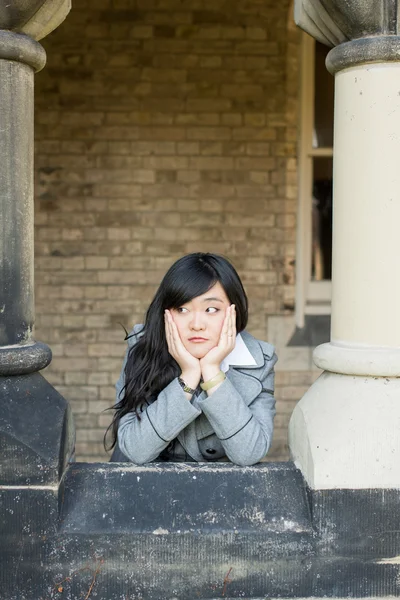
(22, 359)
(333, 22)
(362, 30)
(36, 18)
(22, 48)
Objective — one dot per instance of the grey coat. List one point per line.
(235, 423)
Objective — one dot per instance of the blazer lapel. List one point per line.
(246, 384)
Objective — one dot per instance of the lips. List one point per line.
(197, 340)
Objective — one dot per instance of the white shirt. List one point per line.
(240, 356)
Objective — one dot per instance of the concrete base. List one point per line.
(345, 432)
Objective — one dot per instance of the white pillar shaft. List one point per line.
(366, 242)
(345, 431)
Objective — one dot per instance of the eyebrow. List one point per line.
(212, 300)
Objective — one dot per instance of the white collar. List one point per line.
(240, 356)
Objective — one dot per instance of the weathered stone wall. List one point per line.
(162, 127)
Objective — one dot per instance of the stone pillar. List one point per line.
(20, 56)
(28, 402)
(345, 432)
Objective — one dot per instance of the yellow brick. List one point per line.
(182, 138)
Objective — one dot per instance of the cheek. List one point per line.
(217, 324)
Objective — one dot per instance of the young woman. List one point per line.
(194, 385)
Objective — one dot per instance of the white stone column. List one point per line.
(345, 432)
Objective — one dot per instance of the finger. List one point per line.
(225, 326)
(224, 330)
(171, 336)
(180, 348)
(231, 326)
(231, 319)
(178, 345)
(171, 333)
(234, 320)
(224, 336)
(168, 333)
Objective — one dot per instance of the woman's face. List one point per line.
(200, 321)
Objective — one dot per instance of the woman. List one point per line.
(191, 387)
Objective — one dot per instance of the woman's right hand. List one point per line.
(189, 364)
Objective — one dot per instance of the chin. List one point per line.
(199, 353)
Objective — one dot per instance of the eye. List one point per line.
(182, 310)
(212, 310)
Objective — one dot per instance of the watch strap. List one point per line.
(185, 387)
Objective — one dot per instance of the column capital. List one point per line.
(35, 18)
(364, 32)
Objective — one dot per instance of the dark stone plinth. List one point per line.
(358, 542)
(185, 498)
(164, 531)
(351, 530)
(36, 432)
(189, 531)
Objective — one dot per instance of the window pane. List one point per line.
(321, 267)
(323, 100)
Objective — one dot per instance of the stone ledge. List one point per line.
(197, 531)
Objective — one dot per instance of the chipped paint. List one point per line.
(53, 488)
(394, 560)
(160, 531)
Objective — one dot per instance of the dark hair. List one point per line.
(150, 367)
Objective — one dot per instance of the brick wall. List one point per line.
(162, 127)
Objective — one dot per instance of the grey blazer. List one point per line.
(235, 423)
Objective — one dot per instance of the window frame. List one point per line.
(312, 297)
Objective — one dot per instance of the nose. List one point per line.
(197, 322)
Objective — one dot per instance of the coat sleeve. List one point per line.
(244, 430)
(142, 440)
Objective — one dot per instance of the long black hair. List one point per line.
(150, 367)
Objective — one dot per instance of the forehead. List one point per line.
(215, 292)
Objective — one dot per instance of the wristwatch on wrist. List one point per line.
(185, 387)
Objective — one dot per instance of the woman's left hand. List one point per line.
(210, 363)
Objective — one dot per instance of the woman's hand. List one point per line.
(210, 363)
(190, 365)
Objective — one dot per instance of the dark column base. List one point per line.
(36, 432)
(188, 532)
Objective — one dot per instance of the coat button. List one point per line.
(210, 451)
